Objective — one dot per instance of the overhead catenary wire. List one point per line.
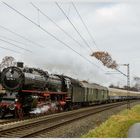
(79, 32)
(74, 26)
(85, 27)
(84, 24)
(90, 61)
(51, 35)
(121, 72)
(15, 45)
(7, 38)
(38, 17)
(10, 50)
(56, 24)
(90, 33)
(36, 44)
(68, 13)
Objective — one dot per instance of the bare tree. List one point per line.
(7, 61)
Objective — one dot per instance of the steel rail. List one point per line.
(34, 127)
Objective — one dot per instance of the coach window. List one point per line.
(87, 90)
(96, 91)
(103, 92)
(92, 91)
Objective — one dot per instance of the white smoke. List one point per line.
(44, 109)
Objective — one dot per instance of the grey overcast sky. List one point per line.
(115, 27)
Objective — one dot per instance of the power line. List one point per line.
(68, 14)
(77, 30)
(121, 72)
(73, 26)
(84, 24)
(10, 50)
(38, 45)
(15, 45)
(57, 25)
(38, 17)
(51, 34)
(13, 40)
(90, 33)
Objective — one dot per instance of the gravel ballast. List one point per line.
(82, 126)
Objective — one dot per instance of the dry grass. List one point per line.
(117, 125)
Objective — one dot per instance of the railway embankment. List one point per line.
(69, 124)
(117, 125)
(82, 126)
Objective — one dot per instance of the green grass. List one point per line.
(117, 125)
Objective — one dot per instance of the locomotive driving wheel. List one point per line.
(19, 113)
(2, 113)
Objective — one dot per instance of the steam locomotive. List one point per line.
(34, 91)
(29, 88)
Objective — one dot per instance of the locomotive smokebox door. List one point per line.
(12, 78)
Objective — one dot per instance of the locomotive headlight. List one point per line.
(12, 106)
(16, 100)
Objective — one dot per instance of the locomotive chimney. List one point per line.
(20, 64)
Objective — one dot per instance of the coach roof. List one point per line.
(92, 85)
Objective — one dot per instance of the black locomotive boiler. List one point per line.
(17, 78)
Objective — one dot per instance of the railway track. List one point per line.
(6, 121)
(33, 127)
(12, 120)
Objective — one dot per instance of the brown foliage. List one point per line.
(106, 59)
